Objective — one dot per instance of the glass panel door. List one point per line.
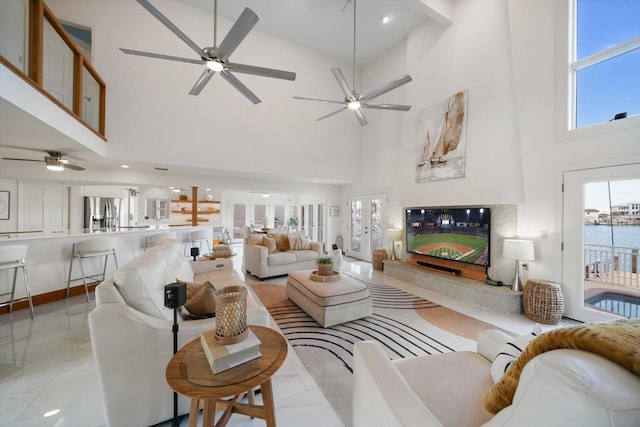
(377, 233)
(239, 219)
(601, 234)
(356, 229)
(366, 225)
(260, 215)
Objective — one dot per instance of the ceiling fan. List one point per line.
(216, 58)
(355, 101)
(55, 161)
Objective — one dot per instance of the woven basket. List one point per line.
(543, 301)
(231, 315)
(379, 255)
(325, 269)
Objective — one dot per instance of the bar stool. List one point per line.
(13, 257)
(198, 236)
(92, 248)
(156, 238)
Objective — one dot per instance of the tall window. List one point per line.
(605, 61)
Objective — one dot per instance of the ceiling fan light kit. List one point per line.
(216, 58)
(54, 161)
(54, 164)
(354, 101)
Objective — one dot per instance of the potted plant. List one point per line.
(292, 222)
(182, 197)
(325, 266)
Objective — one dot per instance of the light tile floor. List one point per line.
(47, 375)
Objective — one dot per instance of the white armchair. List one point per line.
(558, 388)
(131, 332)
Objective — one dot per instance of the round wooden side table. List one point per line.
(189, 373)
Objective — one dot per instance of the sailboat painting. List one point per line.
(441, 139)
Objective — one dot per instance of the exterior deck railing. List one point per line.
(617, 265)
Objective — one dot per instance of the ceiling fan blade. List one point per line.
(261, 71)
(73, 167)
(395, 107)
(318, 100)
(21, 160)
(247, 20)
(175, 30)
(337, 73)
(160, 56)
(331, 114)
(388, 87)
(233, 81)
(202, 81)
(360, 115)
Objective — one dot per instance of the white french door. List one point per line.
(367, 214)
(593, 268)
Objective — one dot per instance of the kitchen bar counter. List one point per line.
(88, 232)
(49, 255)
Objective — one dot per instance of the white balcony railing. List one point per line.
(616, 265)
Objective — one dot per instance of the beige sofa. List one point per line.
(558, 388)
(294, 252)
(131, 331)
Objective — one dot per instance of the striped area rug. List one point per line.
(404, 323)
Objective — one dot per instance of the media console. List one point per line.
(496, 298)
(454, 271)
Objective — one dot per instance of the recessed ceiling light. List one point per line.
(207, 189)
(386, 20)
(124, 166)
(316, 181)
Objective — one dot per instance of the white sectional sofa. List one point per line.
(558, 388)
(263, 261)
(131, 331)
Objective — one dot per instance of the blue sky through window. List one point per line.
(611, 87)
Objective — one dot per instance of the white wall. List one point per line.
(504, 53)
(149, 109)
(509, 54)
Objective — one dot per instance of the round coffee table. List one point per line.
(189, 373)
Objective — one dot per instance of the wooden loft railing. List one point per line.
(38, 12)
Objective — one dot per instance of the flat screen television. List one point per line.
(459, 234)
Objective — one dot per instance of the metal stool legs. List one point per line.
(7, 264)
(77, 253)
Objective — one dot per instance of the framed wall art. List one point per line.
(334, 210)
(4, 204)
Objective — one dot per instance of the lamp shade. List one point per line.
(393, 234)
(518, 249)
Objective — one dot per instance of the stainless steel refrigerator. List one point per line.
(102, 212)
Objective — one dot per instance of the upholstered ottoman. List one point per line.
(329, 303)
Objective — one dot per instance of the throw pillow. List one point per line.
(192, 288)
(305, 243)
(254, 239)
(269, 243)
(203, 303)
(294, 241)
(509, 352)
(282, 241)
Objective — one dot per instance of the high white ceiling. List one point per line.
(326, 26)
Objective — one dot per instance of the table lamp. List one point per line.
(393, 235)
(520, 250)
